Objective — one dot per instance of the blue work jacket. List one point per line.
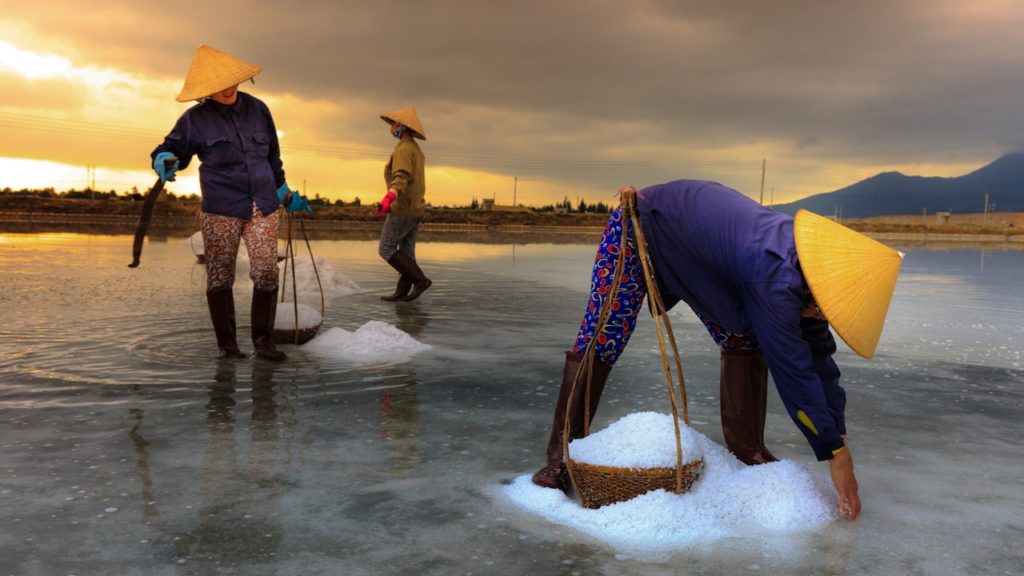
(735, 261)
(239, 154)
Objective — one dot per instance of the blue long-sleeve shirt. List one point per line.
(735, 261)
(239, 154)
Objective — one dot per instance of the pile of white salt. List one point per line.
(729, 500)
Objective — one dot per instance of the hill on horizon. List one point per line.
(893, 193)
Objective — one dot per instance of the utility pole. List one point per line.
(764, 165)
(515, 184)
(986, 207)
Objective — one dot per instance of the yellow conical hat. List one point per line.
(212, 71)
(851, 276)
(408, 118)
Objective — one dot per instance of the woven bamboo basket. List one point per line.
(293, 336)
(598, 485)
(602, 485)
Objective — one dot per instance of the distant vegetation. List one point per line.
(129, 204)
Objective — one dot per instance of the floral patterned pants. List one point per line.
(628, 298)
(221, 238)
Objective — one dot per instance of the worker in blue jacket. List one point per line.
(766, 285)
(242, 182)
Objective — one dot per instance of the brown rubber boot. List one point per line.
(744, 401)
(554, 475)
(264, 308)
(222, 311)
(401, 290)
(407, 267)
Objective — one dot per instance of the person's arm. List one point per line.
(274, 154)
(775, 311)
(178, 143)
(402, 165)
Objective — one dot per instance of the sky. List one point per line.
(527, 101)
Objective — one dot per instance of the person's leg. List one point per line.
(408, 248)
(743, 393)
(260, 235)
(395, 231)
(575, 401)
(221, 235)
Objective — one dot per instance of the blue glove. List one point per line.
(282, 192)
(166, 174)
(298, 203)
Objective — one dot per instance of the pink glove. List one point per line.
(385, 203)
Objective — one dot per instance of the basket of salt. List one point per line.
(296, 323)
(631, 457)
(599, 482)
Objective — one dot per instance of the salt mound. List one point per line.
(373, 341)
(334, 283)
(730, 500)
(284, 319)
(640, 440)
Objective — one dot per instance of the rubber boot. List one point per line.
(222, 311)
(744, 401)
(401, 290)
(407, 267)
(264, 308)
(554, 475)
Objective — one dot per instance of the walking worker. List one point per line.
(403, 204)
(242, 181)
(767, 286)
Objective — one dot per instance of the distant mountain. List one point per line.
(891, 193)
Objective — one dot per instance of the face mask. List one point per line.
(397, 132)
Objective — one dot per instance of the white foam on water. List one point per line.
(371, 342)
(730, 499)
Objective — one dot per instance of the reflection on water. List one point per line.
(130, 448)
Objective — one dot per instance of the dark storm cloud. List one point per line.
(866, 82)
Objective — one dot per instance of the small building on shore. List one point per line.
(488, 205)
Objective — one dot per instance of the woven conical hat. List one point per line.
(408, 118)
(212, 71)
(851, 276)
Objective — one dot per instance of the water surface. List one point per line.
(128, 448)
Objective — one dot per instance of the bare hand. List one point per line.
(841, 468)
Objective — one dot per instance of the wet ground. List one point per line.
(127, 448)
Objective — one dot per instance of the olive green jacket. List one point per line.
(404, 175)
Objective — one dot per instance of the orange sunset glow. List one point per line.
(523, 102)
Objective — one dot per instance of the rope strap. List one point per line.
(289, 257)
(627, 198)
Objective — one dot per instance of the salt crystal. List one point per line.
(640, 440)
(285, 317)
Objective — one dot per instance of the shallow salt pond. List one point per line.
(403, 447)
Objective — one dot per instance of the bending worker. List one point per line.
(766, 286)
(403, 204)
(242, 182)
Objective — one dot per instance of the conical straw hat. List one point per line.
(408, 118)
(212, 71)
(851, 276)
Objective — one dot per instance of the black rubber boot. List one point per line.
(264, 308)
(407, 267)
(744, 400)
(553, 474)
(401, 290)
(222, 311)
